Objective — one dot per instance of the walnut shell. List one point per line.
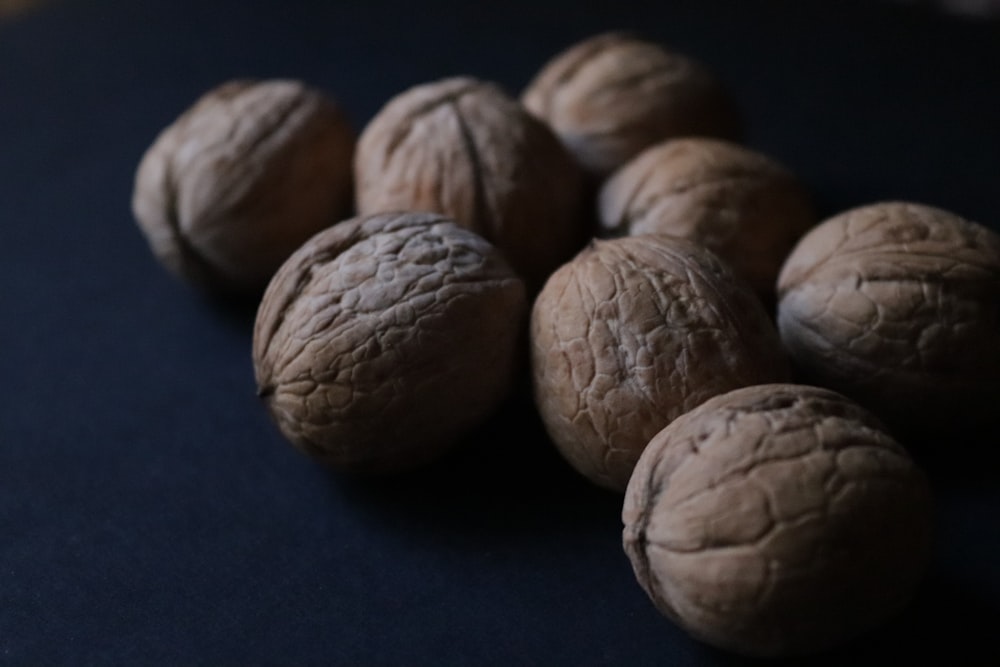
(897, 305)
(243, 178)
(633, 333)
(744, 206)
(463, 148)
(613, 95)
(384, 339)
(777, 520)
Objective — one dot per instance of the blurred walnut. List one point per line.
(744, 206)
(242, 179)
(898, 306)
(631, 334)
(384, 339)
(613, 95)
(463, 148)
(777, 520)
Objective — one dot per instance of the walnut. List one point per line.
(463, 148)
(385, 338)
(897, 305)
(633, 333)
(243, 178)
(613, 95)
(739, 203)
(777, 520)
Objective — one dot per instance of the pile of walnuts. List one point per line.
(664, 285)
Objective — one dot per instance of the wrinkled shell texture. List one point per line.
(241, 179)
(742, 205)
(463, 148)
(384, 339)
(633, 333)
(613, 95)
(777, 520)
(898, 306)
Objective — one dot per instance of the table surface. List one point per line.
(150, 513)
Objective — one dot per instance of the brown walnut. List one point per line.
(741, 204)
(463, 148)
(613, 95)
(897, 305)
(777, 520)
(384, 339)
(243, 178)
(631, 334)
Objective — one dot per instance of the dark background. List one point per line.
(149, 511)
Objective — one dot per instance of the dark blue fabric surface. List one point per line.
(149, 511)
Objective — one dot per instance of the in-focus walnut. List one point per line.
(897, 305)
(463, 148)
(777, 520)
(243, 178)
(384, 339)
(613, 95)
(741, 204)
(631, 334)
